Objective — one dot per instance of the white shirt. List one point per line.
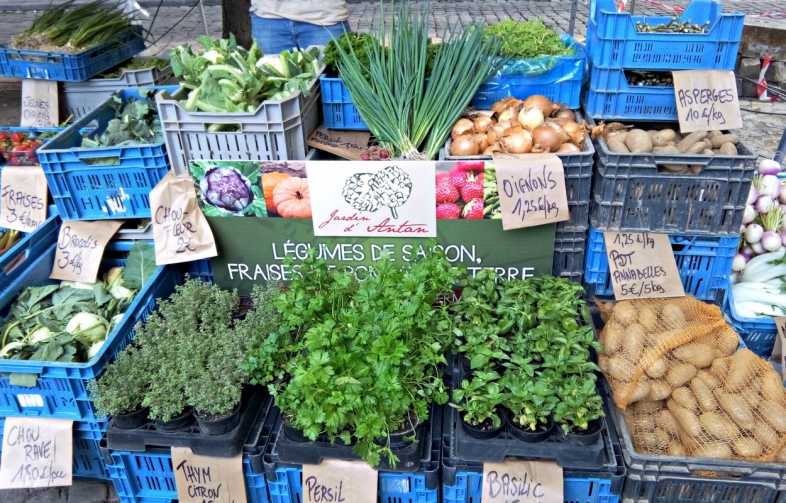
(321, 12)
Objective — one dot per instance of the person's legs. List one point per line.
(308, 34)
(273, 35)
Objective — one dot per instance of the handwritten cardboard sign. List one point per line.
(373, 198)
(522, 482)
(36, 453)
(642, 265)
(345, 144)
(180, 230)
(201, 479)
(23, 192)
(706, 100)
(39, 103)
(80, 247)
(339, 480)
(531, 191)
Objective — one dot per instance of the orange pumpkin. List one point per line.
(291, 198)
(269, 183)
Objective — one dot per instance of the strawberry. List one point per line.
(474, 166)
(473, 189)
(446, 193)
(457, 178)
(448, 211)
(473, 210)
(443, 176)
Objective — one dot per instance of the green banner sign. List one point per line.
(258, 250)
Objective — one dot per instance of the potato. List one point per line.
(746, 447)
(620, 368)
(765, 435)
(741, 367)
(625, 313)
(668, 149)
(774, 413)
(647, 442)
(684, 397)
(688, 141)
(641, 391)
(603, 363)
(707, 151)
(781, 457)
(659, 389)
(728, 149)
(676, 449)
(643, 423)
(633, 341)
(698, 147)
(680, 373)
(703, 395)
(771, 386)
(657, 368)
(685, 418)
(708, 379)
(727, 340)
(717, 450)
(664, 137)
(646, 407)
(736, 408)
(665, 421)
(720, 368)
(662, 437)
(672, 316)
(714, 133)
(718, 426)
(617, 145)
(648, 318)
(697, 354)
(612, 336)
(719, 140)
(638, 142)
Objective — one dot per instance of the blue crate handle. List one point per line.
(32, 246)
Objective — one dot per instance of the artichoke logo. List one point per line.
(390, 187)
(229, 188)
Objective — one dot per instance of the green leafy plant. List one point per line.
(135, 122)
(527, 39)
(364, 358)
(480, 397)
(122, 386)
(350, 42)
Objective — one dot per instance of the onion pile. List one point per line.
(513, 126)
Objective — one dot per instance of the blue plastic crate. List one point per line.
(147, 477)
(104, 182)
(613, 41)
(561, 83)
(45, 65)
(61, 388)
(393, 487)
(610, 96)
(338, 110)
(89, 461)
(468, 488)
(758, 334)
(704, 263)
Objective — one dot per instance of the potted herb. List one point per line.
(121, 389)
(479, 400)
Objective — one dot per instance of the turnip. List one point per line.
(770, 185)
(783, 237)
(769, 167)
(757, 248)
(753, 234)
(772, 222)
(747, 252)
(763, 204)
(738, 264)
(749, 215)
(782, 193)
(753, 194)
(771, 241)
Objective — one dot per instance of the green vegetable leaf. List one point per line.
(140, 265)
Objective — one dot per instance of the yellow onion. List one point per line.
(461, 127)
(530, 118)
(541, 102)
(565, 114)
(568, 147)
(481, 140)
(563, 135)
(546, 139)
(517, 142)
(576, 131)
(482, 123)
(464, 145)
(504, 103)
(509, 114)
(491, 135)
(494, 147)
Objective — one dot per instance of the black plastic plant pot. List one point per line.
(589, 436)
(293, 433)
(131, 420)
(483, 431)
(404, 437)
(180, 422)
(527, 435)
(218, 425)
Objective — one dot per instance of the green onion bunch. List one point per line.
(410, 115)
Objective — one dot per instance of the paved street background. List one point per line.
(179, 22)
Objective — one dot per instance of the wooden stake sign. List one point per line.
(642, 265)
(706, 100)
(23, 191)
(39, 103)
(345, 144)
(205, 479)
(522, 482)
(531, 191)
(80, 247)
(337, 480)
(36, 453)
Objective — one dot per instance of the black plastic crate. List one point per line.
(569, 246)
(255, 405)
(634, 192)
